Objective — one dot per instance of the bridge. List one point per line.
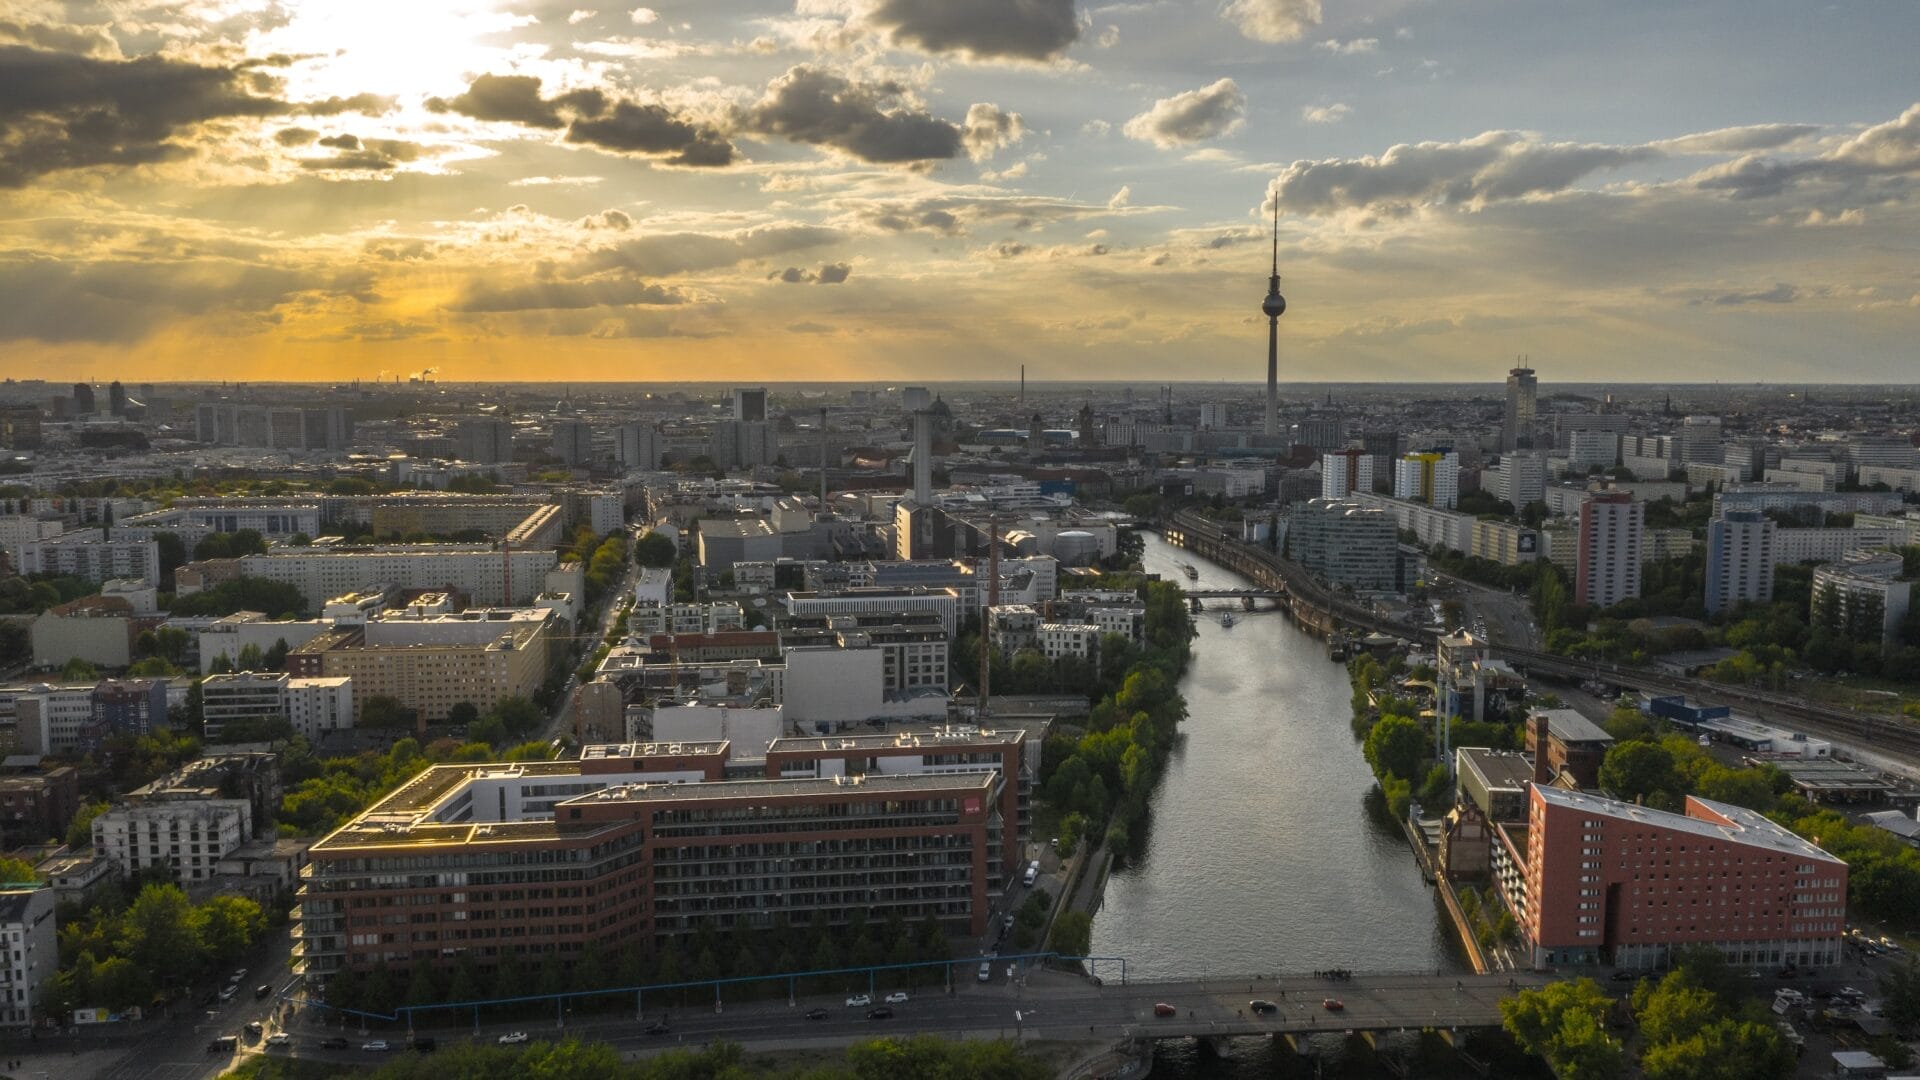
(1326, 611)
(1237, 594)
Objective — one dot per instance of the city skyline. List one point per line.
(892, 191)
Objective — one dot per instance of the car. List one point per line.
(253, 1029)
(657, 1028)
(816, 1014)
(239, 976)
(1161, 1008)
(1055, 843)
(986, 971)
(279, 1038)
(262, 991)
(334, 1043)
(1261, 1005)
(1621, 976)
(1006, 921)
(859, 1001)
(223, 1044)
(227, 992)
(1890, 945)
(512, 1038)
(1333, 1005)
(882, 1013)
(377, 1046)
(898, 997)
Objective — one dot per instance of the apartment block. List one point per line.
(1612, 527)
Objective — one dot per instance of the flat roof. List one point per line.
(625, 751)
(880, 783)
(1747, 827)
(930, 740)
(1826, 774)
(1569, 726)
(1500, 769)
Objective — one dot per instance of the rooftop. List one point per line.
(629, 751)
(1716, 820)
(931, 740)
(1499, 769)
(1570, 727)
(876, 783)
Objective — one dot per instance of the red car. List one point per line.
(1333, 1005)
(1164, 1009)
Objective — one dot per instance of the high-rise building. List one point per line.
(915, 398)
(1517, 422)
(1612, 530)
(638, 445)
(31, 958)
(1343, 472)
(1213, 414)
(573, 441)
(1346, 544)
(750, 403)
(484, 440)
(742, 444)
(1431, 477)
(1385, 446)
(117, 398)
(1700, 441)
(1321, 432)
(82, 399)
(20, 427)
(1589, 449)
(1739, 559)
(1521, 478)
(1862, 597)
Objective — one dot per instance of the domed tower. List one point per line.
(1275, 306)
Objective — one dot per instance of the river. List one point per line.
(1266, 851)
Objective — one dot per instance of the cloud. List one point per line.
(643, 15)
(516, 99)
(667, 254)
(1120, 198)
(1033, 30)
(1738, 140)
(556, 181)
(958, 211)
(1884, 150)
(987, 128)
(1326, 114)
(617, 220)
(1491, 166)
(652, 129)
(370, 155)
(295, 136)
(828, 274)
(874, 121)
(370, 104)
(122, 301)
(1191, 117)
(1349, 48)
(1097, 128)
(60, 111)
(580, 16)
(1273, 20)
(1781, 293)
(483, 297)
(834, 273)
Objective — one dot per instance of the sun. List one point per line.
(400, 48)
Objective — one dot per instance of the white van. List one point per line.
(1033, 874)
(986, 971)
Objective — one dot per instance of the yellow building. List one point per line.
(431, 677)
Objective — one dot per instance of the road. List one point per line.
(561, 722)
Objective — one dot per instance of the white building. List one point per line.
(230, 635)
(1343, 472)
(29, 951)
(1862, 597)
(1431, 477)
(944, 602)
(1700, 440)
(1612, 530)
(52, 719)
(474, 626)
(1520, 478)
(19, 530)
(318, 705)
(653, 586)
(1346, 543)
(187, 836)
(1740, 559)
(83, 554)
(143, 597)
(486, 574)
(1011, 627)
(1831, 545)
(827, 688)
(1429, 524)
(1898, 479)
(750, 730)
(1588, 449)
(1056, 640)
(638, 446)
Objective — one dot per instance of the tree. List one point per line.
(1072, 934)
(16, 872)
(463, 714)
(80, 829)
(1726, 1049)
(1673, 1008)
(160, 933)
(384, 711)
(1634, 770)
(1900, 994)
(1396, 747)
(78, 670)
(1564, 1023)
(229, 925)
(655, 549)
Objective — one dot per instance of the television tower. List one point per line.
(1275, 306)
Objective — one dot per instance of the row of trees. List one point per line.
(705, 955)
(273, 598)
(322, 793)
(117, 954)
(1105, 774)
(924, 1057)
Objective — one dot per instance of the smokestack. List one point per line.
(823, 462)
(923, 458)
(1542, 771)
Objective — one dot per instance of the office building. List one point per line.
(1431, 477)
(82, 399)
(1612, 531)
(647, 843)
(29, 950)
(1346, 544)
(1700, 441)
(244, 696)
(83, 554)
(1862, 597)
(1520, 478)
(1589, 449)
(486, 574)
(432, 668)
(1740, 559)
(638, 446)
(1343, 472)
(1517, 420)
(750, 403)
(487, 440)
(20, 427)
(945, 603)
(319, 706)
(1592, 880)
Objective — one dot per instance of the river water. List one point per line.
(1267, 852)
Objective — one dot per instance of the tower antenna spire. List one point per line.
(1273, 307)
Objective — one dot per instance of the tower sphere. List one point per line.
(1274, 305)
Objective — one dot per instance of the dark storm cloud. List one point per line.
(982, 29)
(873, 121)
(59, 111)
(564, 295)
(633, 128)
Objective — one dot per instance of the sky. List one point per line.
(923, 189)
